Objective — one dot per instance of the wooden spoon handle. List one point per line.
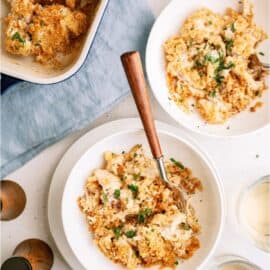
(134, 72)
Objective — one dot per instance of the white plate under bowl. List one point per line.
(167, 25)
(208, 204)
(25, 68)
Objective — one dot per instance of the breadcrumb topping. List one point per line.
(132, 215)
(212, 63)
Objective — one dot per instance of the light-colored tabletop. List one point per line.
(240, 161)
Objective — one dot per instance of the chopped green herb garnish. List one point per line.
(184, 226)
(176, 262)
(136, 176)
(211, 59)
(116, 194)
(17, 36)
(233, 27)
(218, 77)
(117, 232)
(123, 152)
(104, 198)
(213, 93)
(135, 155)
(229, 44)
(210, 22)
(231, 65)
(177, 163)
(144, 214)
(261, 53)
(148, 212)
(140, 217)
(130, 234)
(198, 63)
(134, 190)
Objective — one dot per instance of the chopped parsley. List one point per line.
(198, 63)
(233, 27)
(134, 190)
(176, 262)
(17, 36)
(135, 155)
(184, 226)
(104, 198)
(177, 163)
(210, 22)
(143, 214)
(261, 53)
(219, 79)
(229, 44)
(136, 176)
(213, 93)
(116, 194)
(221, 66)
(117, 232)
(130, 234)
(210, 58)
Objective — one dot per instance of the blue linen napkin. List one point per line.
(36, 116)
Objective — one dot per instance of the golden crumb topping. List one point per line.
(132, 215)
(45, 29)
(212, 63)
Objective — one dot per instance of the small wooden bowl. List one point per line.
(12, 200)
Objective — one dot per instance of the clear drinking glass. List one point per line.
(233, 262)
(254, 212)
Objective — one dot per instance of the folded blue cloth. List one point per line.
(36, 116)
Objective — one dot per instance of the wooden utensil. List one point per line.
(31, 254)
(134, 71)
(12, 199)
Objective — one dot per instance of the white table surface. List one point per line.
(240, 161)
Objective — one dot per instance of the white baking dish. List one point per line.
(25, 68)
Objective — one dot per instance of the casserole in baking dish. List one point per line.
(27, 68)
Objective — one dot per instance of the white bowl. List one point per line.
(210, 210)
(25, 68)
(167, 25)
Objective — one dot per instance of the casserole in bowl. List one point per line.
(208, 204)
(26, 68)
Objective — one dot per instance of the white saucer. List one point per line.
(63, 169)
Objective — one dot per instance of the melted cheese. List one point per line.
(173, 231)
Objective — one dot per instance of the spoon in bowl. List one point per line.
(134, 71)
